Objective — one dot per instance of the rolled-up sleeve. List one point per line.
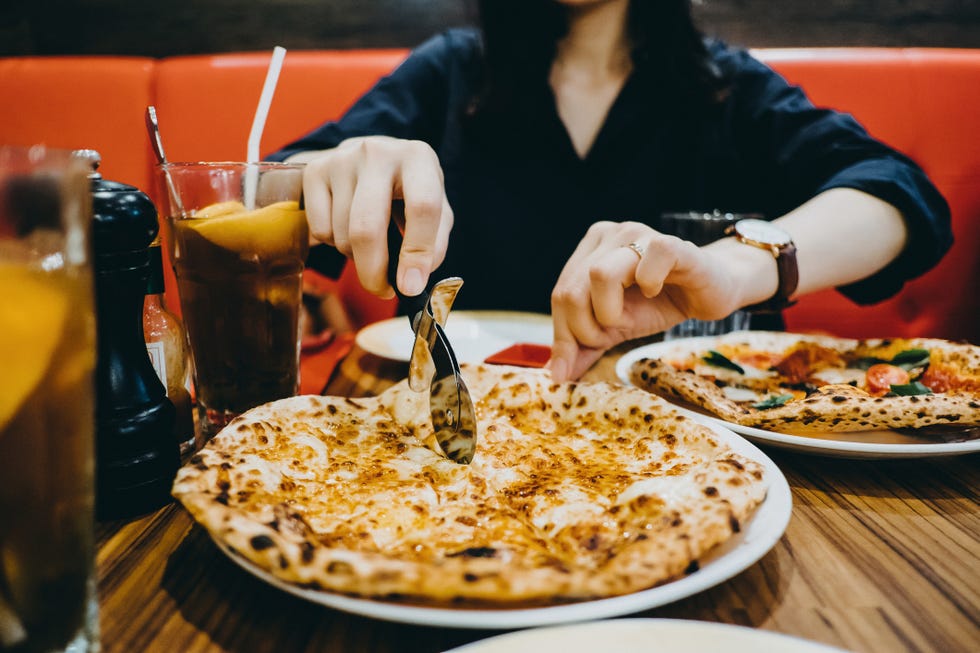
(804, 151)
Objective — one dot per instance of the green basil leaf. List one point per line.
(772, 401)
(718, 360)
(911, 358)
(909, 389)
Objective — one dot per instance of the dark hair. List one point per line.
(520, 38)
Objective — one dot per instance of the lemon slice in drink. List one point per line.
(270, 231)
(32, 319)
(219, 209)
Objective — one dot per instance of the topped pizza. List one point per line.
(800, 383)
(576, 491)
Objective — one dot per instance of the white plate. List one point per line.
(852, 444)
(756, 538)
(474, 335)
(645, 636)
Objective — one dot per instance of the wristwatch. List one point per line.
(768, 236)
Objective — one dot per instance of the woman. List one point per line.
(564, 116)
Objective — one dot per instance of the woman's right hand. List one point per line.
(349, 191)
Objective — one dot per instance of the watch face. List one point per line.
(763, 232)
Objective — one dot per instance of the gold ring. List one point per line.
(637, 249)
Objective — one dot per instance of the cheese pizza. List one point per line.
(576, 491)
(807, 383)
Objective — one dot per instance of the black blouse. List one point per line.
(523, 198)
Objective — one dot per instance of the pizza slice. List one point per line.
(793, 383)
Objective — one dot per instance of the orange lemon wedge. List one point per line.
(269, 231)
(32, 320)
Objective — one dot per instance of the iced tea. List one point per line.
(47, 423)
(239, 277)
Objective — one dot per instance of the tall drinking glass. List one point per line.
(47, 421)
(702, 228)
(238, 240)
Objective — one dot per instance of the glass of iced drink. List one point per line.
(47, 422)
(237, 238)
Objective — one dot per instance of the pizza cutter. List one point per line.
(433, 366)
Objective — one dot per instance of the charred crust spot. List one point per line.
(466, 520)
(261, 542)
(226, 466)
(582, 401)
(648, 418)
(470, 577)
(474, 552)
(306, 552)
(222, 499)
(645, 375)
(331, 409)
(711, 491)
(692, 567)
(734, 463)
(283, 563)
(593, 543)
(837, 399)
(224, 485)
(733, 522)
(263, 439)
(274, 525)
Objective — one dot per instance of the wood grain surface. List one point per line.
(879, 556)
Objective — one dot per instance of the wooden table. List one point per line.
(879, 556)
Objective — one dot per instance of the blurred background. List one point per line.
(174, 27)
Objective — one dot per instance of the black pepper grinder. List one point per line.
(136, 454)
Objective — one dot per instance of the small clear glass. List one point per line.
(702, 228)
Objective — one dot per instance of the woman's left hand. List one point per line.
(626, 280)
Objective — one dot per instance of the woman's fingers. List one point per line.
(316, 198)
(609, 277)
(348, 193)
(370, 211)
(428, 218)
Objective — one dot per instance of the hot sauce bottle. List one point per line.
(166, 344)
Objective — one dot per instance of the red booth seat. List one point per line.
(925, 102)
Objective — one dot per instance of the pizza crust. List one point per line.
(577, 491)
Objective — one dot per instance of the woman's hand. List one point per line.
(349, 191)
(609, 292)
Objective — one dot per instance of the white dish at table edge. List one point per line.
(645, 635)
(757, 536)
(851, 447)
(474, 335)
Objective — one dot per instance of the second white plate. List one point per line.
(474, 335)
(852, 444)
(645, 636)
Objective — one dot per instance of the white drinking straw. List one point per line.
(258, 124)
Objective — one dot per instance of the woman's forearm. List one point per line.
(842, 235)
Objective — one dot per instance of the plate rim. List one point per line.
(738, 554)
(794, 442)
(363, 335)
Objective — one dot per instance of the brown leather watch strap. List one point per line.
(789, 277)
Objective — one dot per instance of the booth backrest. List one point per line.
(925, 102)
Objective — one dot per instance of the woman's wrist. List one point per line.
(752, 270)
